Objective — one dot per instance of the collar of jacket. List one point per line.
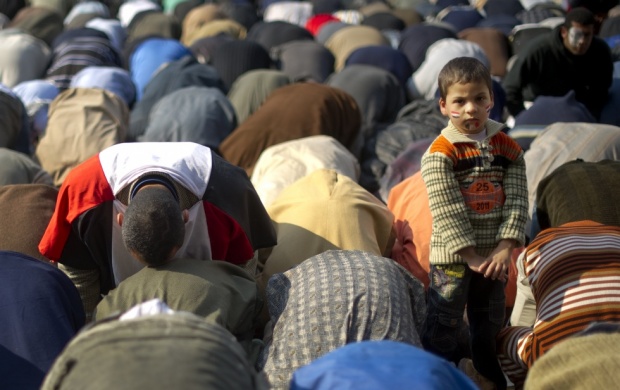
(455, 136)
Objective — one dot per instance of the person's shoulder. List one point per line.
(507, 146)
(540, 46)
(599, 47)
(440, 150)
(441, 144)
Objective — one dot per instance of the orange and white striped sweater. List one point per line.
(477, 192)
(574, 272)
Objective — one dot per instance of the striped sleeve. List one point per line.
(512, 347)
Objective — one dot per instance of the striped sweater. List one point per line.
(574, 272)
(477, 192)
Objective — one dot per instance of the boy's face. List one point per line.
(467, 106)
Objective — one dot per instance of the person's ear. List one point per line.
(119, 219)
(185, 216)
(442, 106)
(563, 32)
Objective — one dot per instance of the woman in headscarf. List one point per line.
(130, 9)
(41, 22)
(192, 114)
(311, 109)
(204, 48)
(252, 88)
(77, 49)
(423, 83)
(18, 168)
(347, 40)
(377, 92)
(588, 359)
(243, 13)
(295, 12)
(384, 57)
(304, 60)
(27, 202)
(198, 17)
(416, 39)
(316, 22)
(178, 74)
(62, 7)
(36, 96)
(561, 142)
(384, 21)
(417, 120)
(112, 28)
(234, 58)
(82, 122)
(329, 29)
(22, 57)
(336, 298)
(408, 201)
(148, 56)
(382, 365)
(138, 354)
(460, 17)
(111, 79)
(217, 27)
(87, 8)
(314, 215)
(10, 7)
(41, 312)
(281, 165)
(14, 128)
(276, 33)
(153, 24)
(495, 44)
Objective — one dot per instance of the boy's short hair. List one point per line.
(463, 70)
(153, 225)
(579, 15)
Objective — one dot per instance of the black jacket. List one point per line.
(547, 68)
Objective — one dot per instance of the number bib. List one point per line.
(483, 197)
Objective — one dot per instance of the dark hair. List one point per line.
(153, 225)
(579, 15)
(463, 70)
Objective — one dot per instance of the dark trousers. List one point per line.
(454, 287)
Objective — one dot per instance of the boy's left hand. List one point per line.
(498, 262)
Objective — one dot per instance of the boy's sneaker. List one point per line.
(467, 367)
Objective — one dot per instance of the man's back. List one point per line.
(216, 290)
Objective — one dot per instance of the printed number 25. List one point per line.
(482, 186)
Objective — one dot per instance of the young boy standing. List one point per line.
(477, 188)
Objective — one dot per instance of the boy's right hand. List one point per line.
(475, 262)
